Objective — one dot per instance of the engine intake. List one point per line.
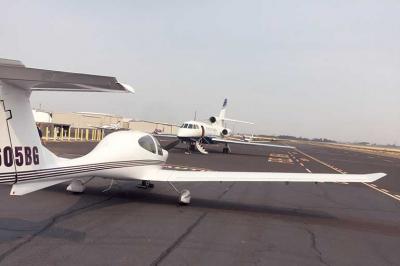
(224, 132)
(213, 119)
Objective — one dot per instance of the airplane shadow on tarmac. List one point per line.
(129, 193)
(94, 199)
(12, 229)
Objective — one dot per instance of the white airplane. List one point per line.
(110, 126)
(196, 133)
(122, 155)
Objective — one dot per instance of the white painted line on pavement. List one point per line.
(342, 172)
(387, 194)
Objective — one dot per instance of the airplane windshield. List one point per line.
(147, 143)
(159, 148)
(190, 126)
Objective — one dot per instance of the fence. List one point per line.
(72, 134)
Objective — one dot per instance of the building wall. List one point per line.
(84, 120)
(150, 127)
(79, 120)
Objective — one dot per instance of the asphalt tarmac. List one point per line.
(226, 223)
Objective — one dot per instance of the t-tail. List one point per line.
(223, 110)
(20, 146)
(221, 119)
(23, 158)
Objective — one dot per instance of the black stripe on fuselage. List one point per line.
(60, 171)
(82, 170)
(76, 166)
(54, 170)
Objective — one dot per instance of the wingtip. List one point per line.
(127, 87)
(376, 176)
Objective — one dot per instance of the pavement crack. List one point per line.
(225, 191)
(47, 226)
(314, 246)
(178, 241)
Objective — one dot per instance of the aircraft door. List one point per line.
(7, 164)
(202, 131)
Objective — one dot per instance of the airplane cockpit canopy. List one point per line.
(150, 144)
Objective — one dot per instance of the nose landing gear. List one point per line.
(184, 195)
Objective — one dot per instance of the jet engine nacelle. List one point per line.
(225, 132)
(213, 119)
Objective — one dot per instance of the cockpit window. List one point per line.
(195, 126)
(159, 148)
(185, 125)
(190, 126)
(147, 143)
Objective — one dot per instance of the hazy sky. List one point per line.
(307, 68)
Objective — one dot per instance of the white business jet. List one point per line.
(123, 155)
(196, 133)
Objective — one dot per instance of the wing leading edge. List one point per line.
(217, 176)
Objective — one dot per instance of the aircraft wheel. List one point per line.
(145, 184)
(184, 197)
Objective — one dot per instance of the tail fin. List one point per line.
(222, 118)
(21, 150)
(223, 110)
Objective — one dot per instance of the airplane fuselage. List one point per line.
(192, 131)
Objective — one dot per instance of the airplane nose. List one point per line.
(179, 132)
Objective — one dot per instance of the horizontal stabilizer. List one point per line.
(237, 121)
(15, 73)
(22, 188)
(171, 145)
(165, 135)
(218, 176)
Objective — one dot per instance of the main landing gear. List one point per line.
(78, 186)
(184, 195)
(145, 184)
(226, 149)
(190, 148)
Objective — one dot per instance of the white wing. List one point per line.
(218, 140)
(216, 176)
(165, 135)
